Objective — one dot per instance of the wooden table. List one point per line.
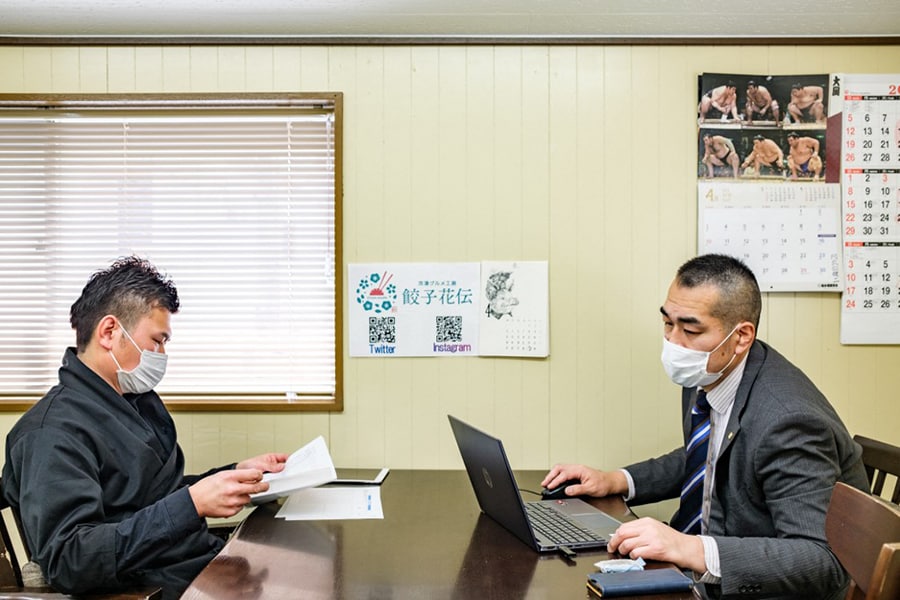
(433, 543)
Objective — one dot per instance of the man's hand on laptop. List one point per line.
(592, 482)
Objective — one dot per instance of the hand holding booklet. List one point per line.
(309, 466)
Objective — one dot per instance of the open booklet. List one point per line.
(309, 466)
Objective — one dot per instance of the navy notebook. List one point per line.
(635, 583)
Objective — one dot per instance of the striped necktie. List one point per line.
(687, 519)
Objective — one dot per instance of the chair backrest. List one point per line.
(881, 459)
(10, 571)
(889, 563)
(858, 527)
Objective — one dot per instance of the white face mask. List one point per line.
(687, 367)
(146, 375)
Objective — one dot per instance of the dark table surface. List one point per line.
(433, 543)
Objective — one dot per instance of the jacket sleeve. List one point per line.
(796, 464)
(658, 478)
(61, 503)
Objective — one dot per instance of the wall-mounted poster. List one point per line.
(449, 309)
(414, 309)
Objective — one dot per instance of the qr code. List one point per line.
(382, 330)
(448, 329)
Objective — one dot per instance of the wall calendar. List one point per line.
(870, 204)
(768, 192)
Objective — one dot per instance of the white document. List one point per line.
(333, 503)
(309, 466)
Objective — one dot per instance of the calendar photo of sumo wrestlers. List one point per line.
(768, 188)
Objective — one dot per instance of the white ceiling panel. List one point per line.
(449, 18)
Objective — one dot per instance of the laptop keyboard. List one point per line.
(556, 527)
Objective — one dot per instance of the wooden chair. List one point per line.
(864, 533)
(880, 459)
(12, 585)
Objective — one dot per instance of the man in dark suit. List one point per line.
(776, 447)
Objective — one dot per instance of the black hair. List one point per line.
(758, 137)
(128, 289)
(739, 297)
(793, 134)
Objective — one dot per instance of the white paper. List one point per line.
(333, 503)
(309, 466)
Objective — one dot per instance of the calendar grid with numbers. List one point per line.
(789, 235)
(870, 204)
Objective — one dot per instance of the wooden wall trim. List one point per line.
(6, 40)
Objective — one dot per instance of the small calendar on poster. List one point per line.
(870, 205)
(789, 235)
(515, 316)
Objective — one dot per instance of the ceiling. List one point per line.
(469, 19)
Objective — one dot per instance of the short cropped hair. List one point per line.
(128, 289)
(739, 296)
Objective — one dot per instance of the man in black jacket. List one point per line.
(94, 467)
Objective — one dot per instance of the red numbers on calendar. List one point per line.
(893, 90)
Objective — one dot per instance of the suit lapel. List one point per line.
(751, 371)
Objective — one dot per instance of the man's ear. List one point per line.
(746, 335)
(104, 331)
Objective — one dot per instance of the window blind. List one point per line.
(237, 206)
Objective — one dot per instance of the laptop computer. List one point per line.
(575, 524)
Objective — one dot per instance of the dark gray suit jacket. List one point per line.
(783, 451)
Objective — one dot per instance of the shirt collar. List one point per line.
(722, 396)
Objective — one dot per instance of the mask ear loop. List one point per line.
(733, 355)
(133, 343)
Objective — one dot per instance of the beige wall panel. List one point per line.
(149, 68)
(477, 205)
(643, 222)
(93, 75)
(234, 68)
(315, 67)
(205, 70)
(536, 198)
(398, 194)
(583, 156)
(592, 290)
(286, 69)
(618, 248)
(563, 198)
(176, 69)
(122, 76)
(38, 67)
(260, 69)
(65, 65)
(12, 66)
